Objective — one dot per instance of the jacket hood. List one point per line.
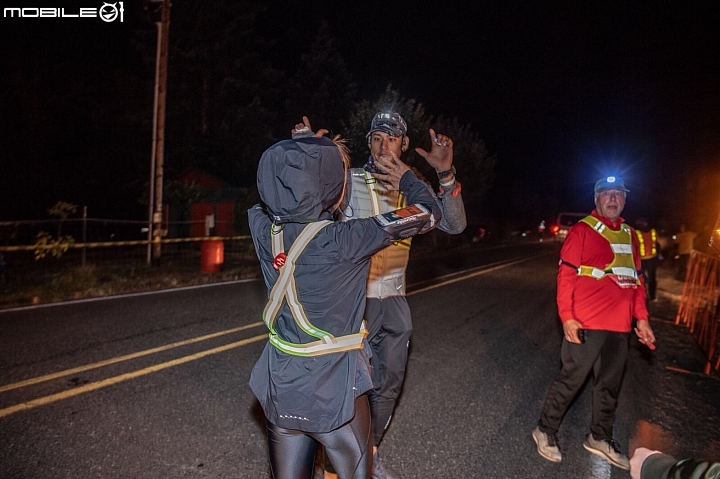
(300, 180)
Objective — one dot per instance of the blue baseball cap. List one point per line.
(388, 122)
(610, 183)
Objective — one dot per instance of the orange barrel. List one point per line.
(212, 256)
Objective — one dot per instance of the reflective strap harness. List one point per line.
(284, 289)
(370, 180)
(374, 200)
(641, 241)
(622, 267)
(589, 270)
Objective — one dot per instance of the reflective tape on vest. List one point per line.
(370, 198)
(621, 270)
(284, 291)
(644, 253)
(621, 248)
(599, 273)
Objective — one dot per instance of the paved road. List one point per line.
(167, 395)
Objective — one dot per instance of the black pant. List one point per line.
(683, 260)
(390, 328)
(649, 267)
(292, 452)
(603, 352)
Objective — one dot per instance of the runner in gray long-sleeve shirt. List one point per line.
(387, 311)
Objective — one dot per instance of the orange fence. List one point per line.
(698, 308)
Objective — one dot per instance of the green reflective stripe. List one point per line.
(291, 292)
(298, 312)
(348, 342)
(284, 287)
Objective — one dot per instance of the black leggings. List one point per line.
(292, 452)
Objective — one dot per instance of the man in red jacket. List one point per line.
(598, 293)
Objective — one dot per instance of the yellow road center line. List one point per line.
(87, 367)
(158, 367)
(124, 377)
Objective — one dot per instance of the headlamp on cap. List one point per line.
(610, 183)
(388, 122)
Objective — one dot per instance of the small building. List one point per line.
(205, 208)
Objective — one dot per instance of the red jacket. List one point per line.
(596, 303)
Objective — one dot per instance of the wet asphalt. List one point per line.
(484, 350)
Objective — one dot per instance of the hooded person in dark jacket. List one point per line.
(313, 373)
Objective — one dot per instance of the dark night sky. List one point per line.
(563, 92)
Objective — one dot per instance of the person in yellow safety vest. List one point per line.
(649, 259)
(599, 297)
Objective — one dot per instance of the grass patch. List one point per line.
(96, 281)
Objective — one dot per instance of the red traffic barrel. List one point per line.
(212, 256)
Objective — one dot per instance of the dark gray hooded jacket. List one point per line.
(299, 181)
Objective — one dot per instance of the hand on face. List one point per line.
(394, 169)
(440, 156)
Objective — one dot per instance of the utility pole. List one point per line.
(156, 232)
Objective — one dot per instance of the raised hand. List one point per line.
(304, 129)
(440, 156)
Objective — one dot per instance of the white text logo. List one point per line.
(109, 12)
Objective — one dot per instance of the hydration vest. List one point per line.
(647, 251)
(622, 268)
(284, 290)
(368, 198)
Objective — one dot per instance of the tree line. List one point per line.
(77, 107)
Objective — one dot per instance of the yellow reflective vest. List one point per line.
(622, 268)
(647, 242)
(369, 198)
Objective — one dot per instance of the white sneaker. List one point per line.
(547, 445)
(608, 450)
